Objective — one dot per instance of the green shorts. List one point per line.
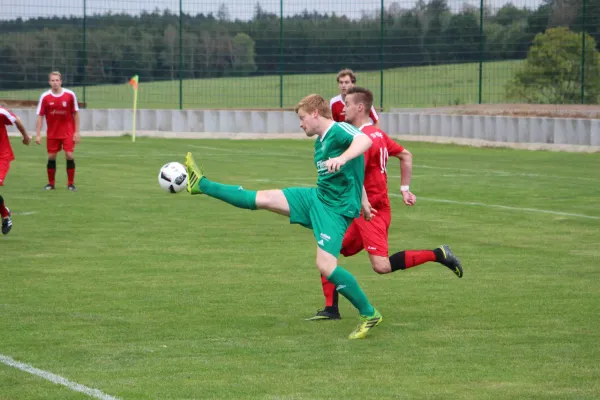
(307, 210)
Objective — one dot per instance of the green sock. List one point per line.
(234, 195)
(346, 284)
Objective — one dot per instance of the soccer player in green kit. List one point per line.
(327, 209)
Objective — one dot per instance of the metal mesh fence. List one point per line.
(270, 53)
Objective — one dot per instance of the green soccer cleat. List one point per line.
(366, 324)
(195, 174)
(451, 261)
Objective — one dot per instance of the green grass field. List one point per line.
(429, 86)
(146, 295)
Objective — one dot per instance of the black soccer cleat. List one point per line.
(72, 188)
(6, 224)
(49, 187)
(325, 314)
(451, 261)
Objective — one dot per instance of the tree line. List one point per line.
(155, 45)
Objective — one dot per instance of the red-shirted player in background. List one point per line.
(61, 110)
(372, 235)
(346, 80)
(6, 156)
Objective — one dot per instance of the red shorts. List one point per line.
(4, 167)
(55, 145)
(369, 235)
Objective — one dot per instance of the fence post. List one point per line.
(480, 49)
(381, 50)
(280, 53)
(584, 10)
(180, 54)
(84, 46)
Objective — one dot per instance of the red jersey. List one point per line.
(337, 110)
(6, 118)
(58, 110)
(376, 159)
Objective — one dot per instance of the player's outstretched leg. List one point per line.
(451, 261)
(235, 195)
(6, 219)
(406, 259)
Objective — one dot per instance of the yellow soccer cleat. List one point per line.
(366, 324)
(195, 174)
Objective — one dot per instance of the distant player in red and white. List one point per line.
(6, 156)
(346, 80)
(371, 232)
(61, 110)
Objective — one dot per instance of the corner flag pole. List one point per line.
(134, 83)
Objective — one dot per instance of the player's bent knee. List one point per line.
(381, 265)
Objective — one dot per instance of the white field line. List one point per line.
(507, 173)
(501, 207)
(464, 203)
(59, 380)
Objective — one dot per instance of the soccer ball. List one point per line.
(173, 177)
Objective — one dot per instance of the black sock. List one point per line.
(439, 255)
(397, 261)
(51, 164)
(334, 307)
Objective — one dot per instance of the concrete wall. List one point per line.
(491, 128)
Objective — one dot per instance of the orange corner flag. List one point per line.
(134, 82)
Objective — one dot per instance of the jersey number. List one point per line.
(383, 159)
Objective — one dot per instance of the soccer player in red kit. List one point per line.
(346, 79)
(372, 235)
(6, 156)
(61, 110)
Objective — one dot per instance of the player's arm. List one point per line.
(23, 130)
(76, 136)
(405, 157)
(75, 109)
(360, 144)
(368, 211)
(38, 129)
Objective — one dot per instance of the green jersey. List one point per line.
(341, 191)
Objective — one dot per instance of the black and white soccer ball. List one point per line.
(173, 177)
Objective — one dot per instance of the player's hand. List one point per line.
(76, 137)
(27, 140)
(38, 139)
(368, 211)
(334, 164)
(409, 198)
